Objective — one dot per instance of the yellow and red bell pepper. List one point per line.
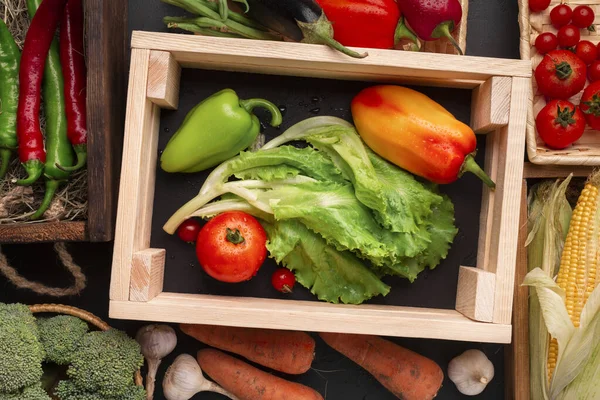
(414, 132)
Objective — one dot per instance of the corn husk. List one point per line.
(548, 225)
(577, 347)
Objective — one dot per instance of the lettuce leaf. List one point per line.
(329, 274)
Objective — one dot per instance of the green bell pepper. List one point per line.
(217, 129)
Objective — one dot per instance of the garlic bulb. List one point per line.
(156, 342)
(471, 372)
(184, 379)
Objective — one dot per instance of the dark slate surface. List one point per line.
(493, 31)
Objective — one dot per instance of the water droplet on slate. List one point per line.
(263, 126)
(172, 257)
(315, 110)
(315, 99)
(167, 130)
(283, 109)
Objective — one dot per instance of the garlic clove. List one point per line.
(471, 372)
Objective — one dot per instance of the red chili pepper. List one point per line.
(366, 23)
(73, 63)
(33, 60)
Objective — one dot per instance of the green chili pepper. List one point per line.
(214, 131)
(58, 147)
(9, 96)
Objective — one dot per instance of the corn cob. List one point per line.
(577, 274)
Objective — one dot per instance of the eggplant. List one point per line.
(298, 20)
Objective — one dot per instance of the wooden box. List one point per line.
(106, 32)
(586, 151)
(500, 91)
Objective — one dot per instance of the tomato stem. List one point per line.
(235, 237)
(564, 117)
(563, 70)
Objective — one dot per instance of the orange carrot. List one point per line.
(285, 351)
(249, 383)
(408, 375)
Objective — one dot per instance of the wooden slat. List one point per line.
(319, 61)
(64, 231)
(137, 176)
(554, 171)
(475, 294)
(106, 32)
(311, 316)
(517, 354)
(491, 104)
(163, 80)
(507, 202)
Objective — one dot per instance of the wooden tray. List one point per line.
(517, 354)
(585, 151)
(106, 27)
(500, 89)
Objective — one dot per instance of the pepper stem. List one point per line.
(51, 187)
(81, 152)
(34, 169)
(321, 32)
(403, 32)
(235, 237)
(251, 104)
(5, 155)
(445, 30)
(470, 165)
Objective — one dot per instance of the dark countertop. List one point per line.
(492, 31)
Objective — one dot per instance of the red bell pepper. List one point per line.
(366, 23)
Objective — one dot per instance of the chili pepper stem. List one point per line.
(403, 32)
(251, 104)
(81, 153)
(51, 188)
(5, 155)
(34, 169)
(444, 30)
(321, 32)
(470, 165)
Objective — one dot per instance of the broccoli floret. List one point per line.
(21, 352)
(66, 390)
(105, 363)
(60, 337)
(35, 392)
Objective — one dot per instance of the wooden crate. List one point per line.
(517, 371)
(499, 109)
(106, 31)
(586, 151)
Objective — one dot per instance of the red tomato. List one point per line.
(231, 247)
(560, 123)
(568, 36)
(283, 280)
(538, 5)
(590, 105)
(583, 17)
(560, 75)
(594, 71)
(561, 15)
(587, 51)
(546, 42)
(188, 230)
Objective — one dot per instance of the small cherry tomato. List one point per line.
(594, 71)
(561, 15)
(587, 51)
(560, 123)
(538, 5)
(283, 280)
(583, 17)
(188, 231)
(590, 105)
(568, 36)
(232, 247)
(546, 42)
